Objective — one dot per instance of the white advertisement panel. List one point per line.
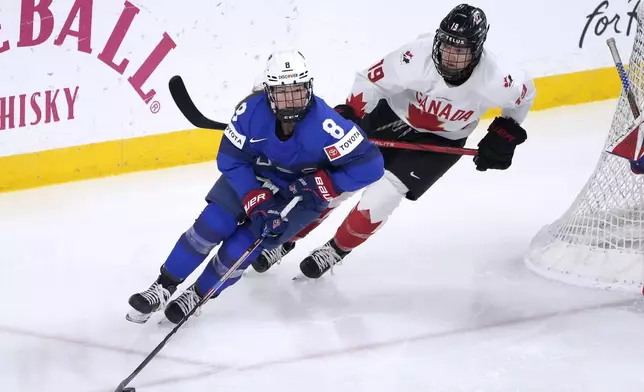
(81, 71)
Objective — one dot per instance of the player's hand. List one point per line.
(316, 189)
(348, 113)
(260, 208)
(496, 149)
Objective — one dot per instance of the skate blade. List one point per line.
(165, 322)
(137, 317)
(301, 278)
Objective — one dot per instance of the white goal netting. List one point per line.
(599, 240)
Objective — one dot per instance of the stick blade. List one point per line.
(178, 91)
(187, 107)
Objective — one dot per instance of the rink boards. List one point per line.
(84, 87)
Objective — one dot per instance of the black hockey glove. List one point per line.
(348, 113)
(496, 149)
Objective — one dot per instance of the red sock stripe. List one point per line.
(356, 229)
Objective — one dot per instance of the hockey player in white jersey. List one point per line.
(432, 90)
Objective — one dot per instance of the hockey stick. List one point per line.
(612, 45)
(629, 145)
(122, 386)
(418, 146)
(187, 106)
(425, 147)
(191, 113)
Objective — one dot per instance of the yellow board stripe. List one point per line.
(193, 146)
(107, 158)
(576, 88)
(573, 89)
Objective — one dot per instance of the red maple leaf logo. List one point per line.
(420, 119)
(357, 103)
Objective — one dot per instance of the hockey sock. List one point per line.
(211, 227)
(230, 251)
(209, 278)
(356, 228)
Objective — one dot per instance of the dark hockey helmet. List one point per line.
(458, 43)
(289, 85)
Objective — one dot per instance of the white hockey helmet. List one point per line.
(288, 84)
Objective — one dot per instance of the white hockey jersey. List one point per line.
(407, 78)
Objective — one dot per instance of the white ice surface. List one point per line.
(438, 300)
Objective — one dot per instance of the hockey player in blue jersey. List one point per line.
(282, 142)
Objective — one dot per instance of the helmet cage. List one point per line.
(290, 102)
(456, 75)
(464, 27)
(288, 85)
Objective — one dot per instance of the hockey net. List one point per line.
(599, 240)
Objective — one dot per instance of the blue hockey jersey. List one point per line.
(322, 140)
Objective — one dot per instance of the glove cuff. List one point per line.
(324, 185)
(254, 198)
(509, 130)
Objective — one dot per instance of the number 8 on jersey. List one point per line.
(347, 143)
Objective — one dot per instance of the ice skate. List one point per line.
(268, 257)
(321, 260)
(179, 307)
(145, 303)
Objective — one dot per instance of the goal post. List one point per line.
(599, 240)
